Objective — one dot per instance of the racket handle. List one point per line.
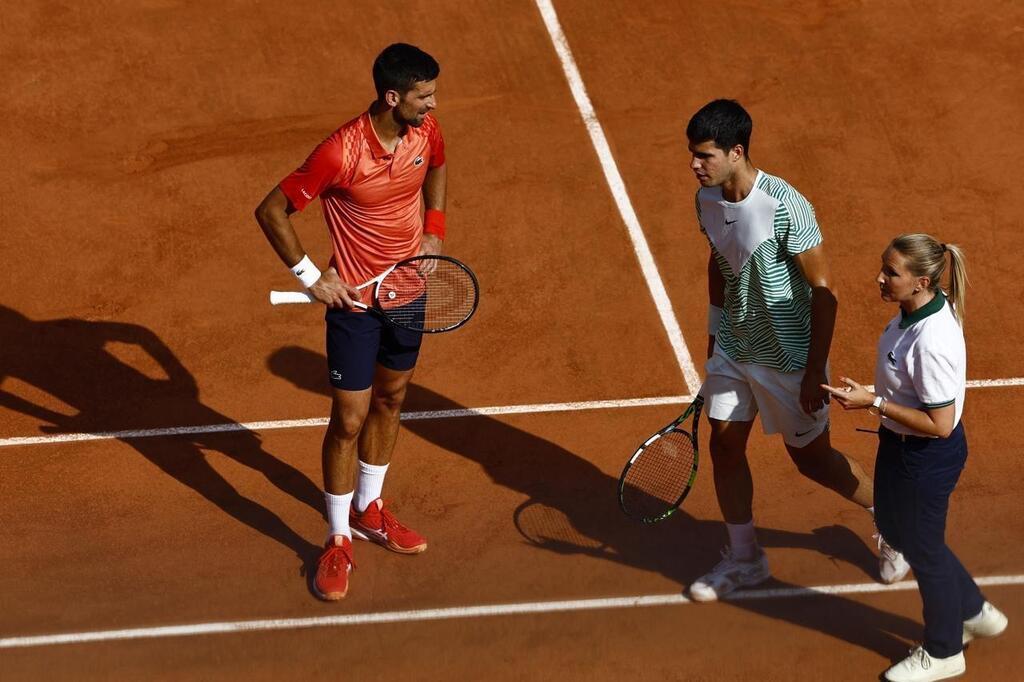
(285, 297)
(280, 297)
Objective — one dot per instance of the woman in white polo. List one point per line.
(920, 382)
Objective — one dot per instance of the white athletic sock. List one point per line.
(742, 540)
(337, 513)
(369, 484)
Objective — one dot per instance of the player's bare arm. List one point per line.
(435, 187)
(272, 216)
(716, 294)
(813, 265)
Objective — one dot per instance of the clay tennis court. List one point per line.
(160, 423)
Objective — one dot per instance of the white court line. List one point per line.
(618, 188)
(406, 416)
(303, 423)
(459, 612)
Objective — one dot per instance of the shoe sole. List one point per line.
(895, 579)
(936, 679)
(384, 542)
(970, 636)
(723, 594)
(329, 596)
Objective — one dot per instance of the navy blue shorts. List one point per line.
(358, 342)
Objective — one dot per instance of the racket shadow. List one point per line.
(571, 510)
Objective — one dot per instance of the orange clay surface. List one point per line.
(139, 136)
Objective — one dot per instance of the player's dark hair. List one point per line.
(400, 66)
(724, 122)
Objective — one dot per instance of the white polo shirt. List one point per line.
(922, 362)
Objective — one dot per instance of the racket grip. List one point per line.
(280, 297)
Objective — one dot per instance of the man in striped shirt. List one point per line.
(770, 322)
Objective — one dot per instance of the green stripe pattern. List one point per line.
(767, 313)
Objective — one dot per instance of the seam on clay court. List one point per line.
(459, 612)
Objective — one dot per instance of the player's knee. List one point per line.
(346, 424)
(346, 429)
(389, 400)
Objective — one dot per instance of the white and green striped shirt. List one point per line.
(767, 312)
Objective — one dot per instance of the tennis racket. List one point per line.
(659, 475)
(427, 294)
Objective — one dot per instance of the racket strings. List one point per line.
(659, 476)
(439, 299)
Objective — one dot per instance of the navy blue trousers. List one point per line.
(914, 478)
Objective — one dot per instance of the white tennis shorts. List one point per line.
(738, 391)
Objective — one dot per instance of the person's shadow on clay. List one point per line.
(572, 510)
(72, 360)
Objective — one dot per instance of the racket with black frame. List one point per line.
(660, 474)
(428, 294)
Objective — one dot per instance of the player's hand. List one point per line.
(334, 293)
(430, 245)
(812, 396)
(852, 396)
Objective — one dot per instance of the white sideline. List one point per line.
(458, 612)
(618, 188)
(406, 416)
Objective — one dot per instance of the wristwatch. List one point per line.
(877, 406)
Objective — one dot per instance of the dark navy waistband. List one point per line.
(885, 433)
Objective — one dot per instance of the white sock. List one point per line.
(369, 484)
(337, 513)
(742, 540)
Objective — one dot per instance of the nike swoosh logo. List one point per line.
(730, 222)
(798, 435)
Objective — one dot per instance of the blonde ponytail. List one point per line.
(957, 279)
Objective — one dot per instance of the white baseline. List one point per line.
(457, 612)
(499, 410)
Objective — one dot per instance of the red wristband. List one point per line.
(433, 222)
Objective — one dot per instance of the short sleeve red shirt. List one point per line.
(372, 198)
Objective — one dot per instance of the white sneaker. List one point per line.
(920, 667)
(892, 567)
(990, 622)
(729, 574)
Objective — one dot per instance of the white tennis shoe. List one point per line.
(920, 667)
(892, 567)
(990, 622)
(730, 574)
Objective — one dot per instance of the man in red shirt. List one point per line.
(381, 180)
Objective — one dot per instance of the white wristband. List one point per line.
(714, 319)
(307, 273)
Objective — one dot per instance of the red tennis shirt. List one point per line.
(372, 199)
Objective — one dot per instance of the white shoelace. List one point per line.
(920, 657)
(886, 550)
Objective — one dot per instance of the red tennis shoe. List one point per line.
(379, 525)
(331, 583)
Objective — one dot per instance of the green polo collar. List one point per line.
(930, 308)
